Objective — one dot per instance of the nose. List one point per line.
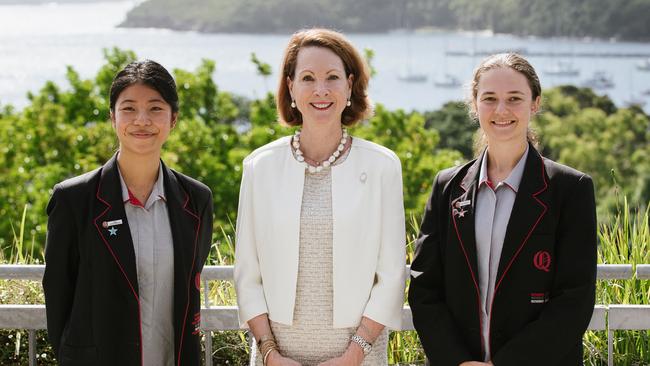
(501, 107)
(142, 119)
(321, 89)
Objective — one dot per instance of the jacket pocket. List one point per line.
(78, 355)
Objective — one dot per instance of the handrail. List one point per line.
(35, 272)
(32, 317)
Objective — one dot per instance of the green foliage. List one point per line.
(612, 145)
(574, 18)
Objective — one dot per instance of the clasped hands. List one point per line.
(353, 356)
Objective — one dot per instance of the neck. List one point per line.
(319, 142)
(139, 172)
(503, 158)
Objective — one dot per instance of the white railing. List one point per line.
(213, 318)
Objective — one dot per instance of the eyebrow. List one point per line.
(149, 101)
(327, 72)
(510, 92)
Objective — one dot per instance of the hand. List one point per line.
(475, 363)
(353, 356)
(276, 359)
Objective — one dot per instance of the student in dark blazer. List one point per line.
(126, 242)
(505, 266)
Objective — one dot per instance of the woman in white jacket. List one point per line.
(320, 247)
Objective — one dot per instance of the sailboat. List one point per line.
(447, 81)
(409, 76)
(599, 80)
(563, 68)
(643, 65)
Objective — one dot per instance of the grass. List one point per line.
(624, 239)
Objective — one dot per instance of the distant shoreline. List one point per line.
(45, 2)
(576, 21)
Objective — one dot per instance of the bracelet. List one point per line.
(267, 355)
(265, 337)
(266, 346)
(365, 345)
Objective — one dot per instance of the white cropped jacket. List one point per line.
(368, 235)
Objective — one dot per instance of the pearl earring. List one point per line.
(349, 103)
(293, 104)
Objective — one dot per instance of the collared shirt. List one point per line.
(154, 256)
(493, 207)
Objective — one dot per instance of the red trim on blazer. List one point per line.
(189, 280)
(521, 246)
(478, 293)
(137, 299)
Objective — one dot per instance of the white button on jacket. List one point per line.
(368, 235)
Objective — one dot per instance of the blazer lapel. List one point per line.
(112, 225)
(185, 224)
(463, 200)
(528, 210)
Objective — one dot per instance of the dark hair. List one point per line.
(503, 60)
(354, 65)
(149, 73)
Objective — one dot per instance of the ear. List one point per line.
(536, 104)
(290, 86)
(174, 119)
(350, 82)
(112, 115)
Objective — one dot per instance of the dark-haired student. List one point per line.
(505, 266)
(126, 242)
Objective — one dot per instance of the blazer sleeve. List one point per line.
(572, 296)
(438, 332)
(387, 294)
(61, 266)
(247, 275)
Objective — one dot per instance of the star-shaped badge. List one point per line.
(112, 231)
(461, 212)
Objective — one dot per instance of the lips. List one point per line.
(142, 134)
(321, 106)
(503, 123)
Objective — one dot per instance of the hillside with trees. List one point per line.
(619, 19)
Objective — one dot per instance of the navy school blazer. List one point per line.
(545, 286)
(90, 281)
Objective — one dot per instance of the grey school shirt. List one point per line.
(154, 257)
(494, 203)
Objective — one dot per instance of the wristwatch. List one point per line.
(365, 346)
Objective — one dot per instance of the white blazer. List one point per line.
(368, 235)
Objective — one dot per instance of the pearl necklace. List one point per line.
(325, 163)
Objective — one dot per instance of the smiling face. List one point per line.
(142, 120)
(504, 105)
(320, 87)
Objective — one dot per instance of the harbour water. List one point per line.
(37, 42)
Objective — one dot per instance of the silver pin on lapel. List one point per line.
(112, 223)
(460, 204)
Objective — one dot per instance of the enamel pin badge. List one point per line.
(459, 211)
(112, 230)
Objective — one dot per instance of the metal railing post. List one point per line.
(32, 347)
(208, 333)
(610, 347)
